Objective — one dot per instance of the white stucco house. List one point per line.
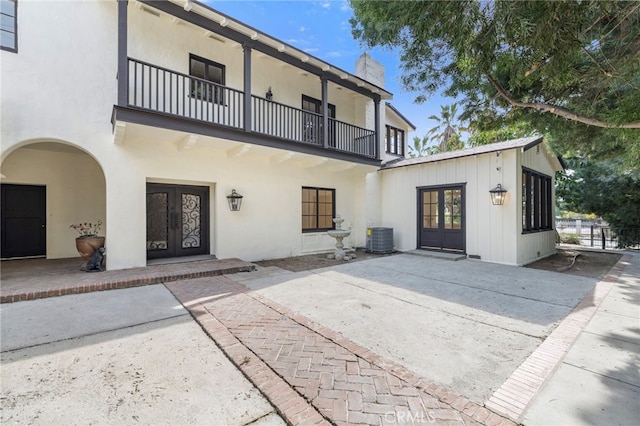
(147, 115)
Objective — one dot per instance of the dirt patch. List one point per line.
(587, 263)
(316, 261)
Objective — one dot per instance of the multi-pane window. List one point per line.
(536, 202)
(395, 141)
(9, 25)
(210, 71)
(318, 209)
(452, 210)
(430, 210)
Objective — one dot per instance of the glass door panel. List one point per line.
(191, 216)
(441, 218)
(157, 221)
(177, 220)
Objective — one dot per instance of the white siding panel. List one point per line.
(533, 246)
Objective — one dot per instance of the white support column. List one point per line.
(126, 225)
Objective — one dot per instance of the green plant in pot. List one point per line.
(89, 241)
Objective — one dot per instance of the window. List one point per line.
(318, 209)
(210, 71)
(9, 25)
(536, 202)
(395, 141)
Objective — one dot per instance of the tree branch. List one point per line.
(559, 111)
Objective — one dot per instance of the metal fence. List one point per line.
(596, 233)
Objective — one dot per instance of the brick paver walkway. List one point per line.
(29, 279)
(313, 375)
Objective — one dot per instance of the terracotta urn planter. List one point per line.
(87, 245)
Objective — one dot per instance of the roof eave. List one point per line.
(266, 40)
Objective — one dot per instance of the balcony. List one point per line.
(158, 90)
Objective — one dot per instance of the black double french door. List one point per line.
(441, 218)
(312, 131)
(177, 220)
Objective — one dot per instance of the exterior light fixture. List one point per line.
(497, 195)
(235, 201)
(269, 94)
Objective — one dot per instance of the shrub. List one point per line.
(570, 238)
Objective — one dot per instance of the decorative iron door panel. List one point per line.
(441, 218)
(177, 220)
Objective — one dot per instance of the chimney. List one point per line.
(369, 69)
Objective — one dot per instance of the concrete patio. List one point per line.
(474, 342)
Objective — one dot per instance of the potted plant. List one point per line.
(88, 241)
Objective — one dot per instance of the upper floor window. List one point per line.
(536, 202)
(211, 72)
(9, 25)
(318, 209)
(394, 141)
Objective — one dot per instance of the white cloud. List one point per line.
(311, 50)
(303, 29)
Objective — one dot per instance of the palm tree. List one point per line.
(419, 147)
(447, 128)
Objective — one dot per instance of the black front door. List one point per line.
(177, 220)
(441, 218)
(24, 210)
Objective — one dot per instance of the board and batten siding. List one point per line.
(492, 233)
(536, 245)
(489, 229)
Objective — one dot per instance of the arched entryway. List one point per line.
(47, 186)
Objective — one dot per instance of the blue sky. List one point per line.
(322, 29)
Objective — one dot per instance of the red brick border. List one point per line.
(288, 357)
(518, 391)
(289, 404)
(470, 411)
(139, 277)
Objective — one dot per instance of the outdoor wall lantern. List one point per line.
(269, 94)
(235, 201)
(497, 195)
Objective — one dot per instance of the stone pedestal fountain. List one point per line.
(339, 234)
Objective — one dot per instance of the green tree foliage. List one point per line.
(447, 131)
(419, 147)
(569, 69)
(606, 188)
(504, 133)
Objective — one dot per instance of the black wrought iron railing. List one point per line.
(350, 138)
(162, 90)
(282, 121)
(597, 234)
(279, 120)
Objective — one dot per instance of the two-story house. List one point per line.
(157, 116)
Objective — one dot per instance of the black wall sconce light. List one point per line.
(498, 195)
(269, 94)
(235, 201)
